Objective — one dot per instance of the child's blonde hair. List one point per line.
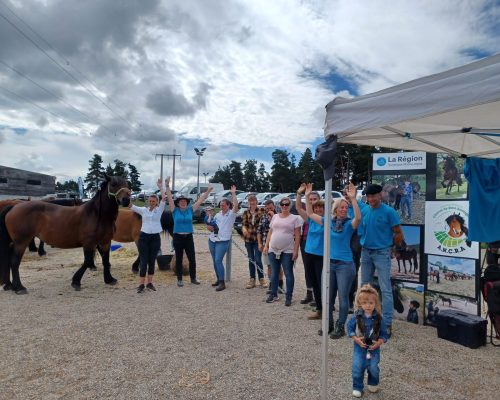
(366, 291)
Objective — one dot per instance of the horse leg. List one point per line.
(135, 265)
(15, 260)
(32, 246)
(41, 249)
(88, 254)
(104, 251)
(92, 265)
(399, 267)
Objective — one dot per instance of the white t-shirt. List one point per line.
(225, 222)
(282, 238)
(151, 220)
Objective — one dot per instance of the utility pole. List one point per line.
(174, 155)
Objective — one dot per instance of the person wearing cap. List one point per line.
(219, 242)
(182, 214)
(149, 239)
(380, 230)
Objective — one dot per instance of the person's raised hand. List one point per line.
(233, 189)
(158, 183)
(167, 181)
(302, 188)
(351, 191)
(309, 188)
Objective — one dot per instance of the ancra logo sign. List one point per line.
(446, 229)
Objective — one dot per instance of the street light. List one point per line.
(205, 174)
(199, 153)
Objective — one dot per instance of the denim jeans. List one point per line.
(254, 257)
(380, 261)
(218, 250)
(360, 364)
(341, 276)
(286, 261)
(406, 200)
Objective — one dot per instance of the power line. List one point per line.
(61, 67)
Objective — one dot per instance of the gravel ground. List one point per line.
(193, 343)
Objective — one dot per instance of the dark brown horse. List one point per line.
(128, 229)
(405, 253)
(450, 175)
(86, 226)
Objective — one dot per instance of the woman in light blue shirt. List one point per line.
(149, 240)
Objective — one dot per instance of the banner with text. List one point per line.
(399, 161)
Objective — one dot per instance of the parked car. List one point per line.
(238, 222)
(261, 198)
(199, 214)
(191, 190)
(225, 194)
(244, 196)
(276, 199)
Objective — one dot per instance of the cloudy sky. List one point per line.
(129, 79)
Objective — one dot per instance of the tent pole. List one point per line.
(325, 291)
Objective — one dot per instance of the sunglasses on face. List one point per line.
(284, 204)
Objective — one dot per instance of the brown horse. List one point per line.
(128, 229)
(404, 253)
(86, 226)
(450, 175)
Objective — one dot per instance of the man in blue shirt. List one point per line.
(407, 199)
(380, 229)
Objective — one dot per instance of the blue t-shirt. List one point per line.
(340, 242)
(183, 220)
(377, 224)
(315, 238)
(350, 214)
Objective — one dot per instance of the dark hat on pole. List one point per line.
(325, 156)
(176, 201)
(373, 189)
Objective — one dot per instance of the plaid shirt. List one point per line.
(250, 223)
(264, 227)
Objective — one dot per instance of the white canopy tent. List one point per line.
(455, 112)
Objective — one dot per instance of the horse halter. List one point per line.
(110, 193)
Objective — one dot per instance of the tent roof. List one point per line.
(456, 111)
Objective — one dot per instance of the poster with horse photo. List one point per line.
(405, 258)
(451, 275)
(436, 302)
(446, 229)
(450, 180)
(411, 296)
(406, 194)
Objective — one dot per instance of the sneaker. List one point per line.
(180, 283)
(195, 281)
(288, 302)
(263, 283)
(272, 299)
(357, 393)
(373, 388)
(251, 283)
(140, 288)
(151, 287)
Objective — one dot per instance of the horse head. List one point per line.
(118, 188)
(457, 225)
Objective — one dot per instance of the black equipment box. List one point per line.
(462, 328)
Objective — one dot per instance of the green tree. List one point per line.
(95, 174)
(281, 176)
(120, 169)
(222, 175)
(236, 173)
(250, 178)
(110, 171)
(134, 182)
(67, 186)
(262, 179)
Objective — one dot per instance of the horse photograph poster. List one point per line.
(451, 275)
(412, 297)
(406, 194)
(446, 229)
(405, 258)
(450, 180)
(436, 302)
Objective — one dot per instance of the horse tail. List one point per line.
(5, 249)
(167, 222)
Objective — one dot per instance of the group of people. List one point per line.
(361, 237)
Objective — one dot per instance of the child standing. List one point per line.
(412, 312)
(368, 332)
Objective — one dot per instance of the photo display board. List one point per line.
(437, 267)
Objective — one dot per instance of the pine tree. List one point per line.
(250, 183)
(262, 179)
(110, 171)
(222, 175)
(281, 179)
(134, 175)
(236, 173)
(120, 169)
(95, 174)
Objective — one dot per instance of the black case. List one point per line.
(462, 328)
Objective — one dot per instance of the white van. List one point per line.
(191, 190)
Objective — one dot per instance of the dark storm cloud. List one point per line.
(166, 102)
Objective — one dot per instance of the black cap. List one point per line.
(373, 189)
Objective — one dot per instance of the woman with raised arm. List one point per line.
(182, 214)
(218, 242)
(342, 270)
(149, 239)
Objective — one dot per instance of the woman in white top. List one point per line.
(282, 246)
(149, 240)
(218, 243)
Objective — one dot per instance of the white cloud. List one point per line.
(225, 73)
